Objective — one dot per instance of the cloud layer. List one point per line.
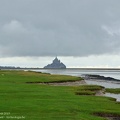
(62, 27)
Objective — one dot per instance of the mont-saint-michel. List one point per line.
(56, 64)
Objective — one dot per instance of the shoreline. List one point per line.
(85, 82)
(91, 81)
(99, 77)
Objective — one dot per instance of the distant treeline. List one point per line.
(9, 67)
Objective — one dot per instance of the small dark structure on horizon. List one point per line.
(56, 64)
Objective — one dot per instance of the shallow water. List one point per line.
(78, 72)
(117, 96)
(106, 84)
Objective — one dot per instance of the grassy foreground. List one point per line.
(20, 100)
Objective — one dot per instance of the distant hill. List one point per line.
(56, 64)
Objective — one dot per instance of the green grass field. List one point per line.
(43, 102)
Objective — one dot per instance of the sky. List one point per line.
(82, 33)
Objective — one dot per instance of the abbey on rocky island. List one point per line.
(56, 64)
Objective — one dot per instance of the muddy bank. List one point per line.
(75, 83)
(108, 116)
(98, 77)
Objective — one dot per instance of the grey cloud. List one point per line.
(59, 27)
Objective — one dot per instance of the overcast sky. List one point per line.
(82, 33)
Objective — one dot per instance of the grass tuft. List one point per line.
(83, 92)
(87, 89)
(113, 90)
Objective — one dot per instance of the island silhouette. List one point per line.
(56, 64)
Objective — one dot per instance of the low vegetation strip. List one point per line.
(113, 90)
(83, 92)
(88, 89)
(55, 81)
